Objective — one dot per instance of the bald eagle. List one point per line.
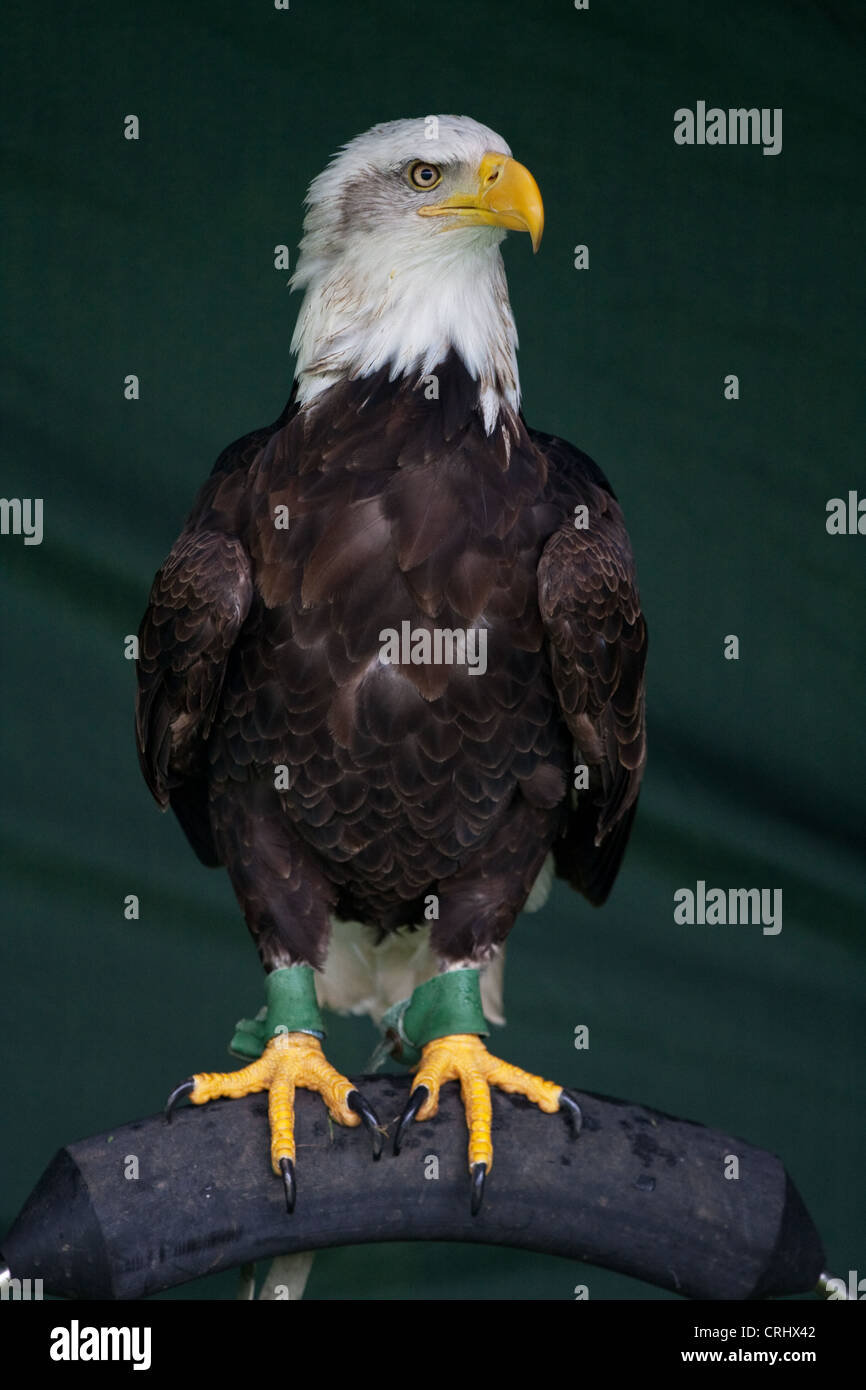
(392, 670)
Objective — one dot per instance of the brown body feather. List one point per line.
(260, 649)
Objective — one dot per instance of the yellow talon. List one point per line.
(463, 1057)
(289, 1060)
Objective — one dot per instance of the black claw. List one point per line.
(357, 1103)
(185, 1088)
(568, 1103)
(287, 1168)
(416, 1100)
(479, 1173)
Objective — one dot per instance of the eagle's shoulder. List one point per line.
(242, 452)
(568, 467)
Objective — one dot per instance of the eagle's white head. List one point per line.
(400, 258)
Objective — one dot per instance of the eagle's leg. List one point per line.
(444, 1019)
(452, 1001)
(285, 899)
(292, 1057)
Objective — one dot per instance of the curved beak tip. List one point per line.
(514, 196)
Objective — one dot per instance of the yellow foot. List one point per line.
(463, 1057)
(289, 1060)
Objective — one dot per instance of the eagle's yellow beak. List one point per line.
(507, 196)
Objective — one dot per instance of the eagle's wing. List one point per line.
(597, 642)
(198, 604)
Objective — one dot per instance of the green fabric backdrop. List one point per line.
(156, 258)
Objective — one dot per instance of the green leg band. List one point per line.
(449, 1003)
(291, 1008)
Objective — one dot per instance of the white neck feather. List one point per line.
(361, 313)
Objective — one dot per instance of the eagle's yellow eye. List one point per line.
(423, 175)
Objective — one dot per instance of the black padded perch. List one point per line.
(639, 1192)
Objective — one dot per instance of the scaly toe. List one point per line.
(464, 1057)
(290, 1061)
